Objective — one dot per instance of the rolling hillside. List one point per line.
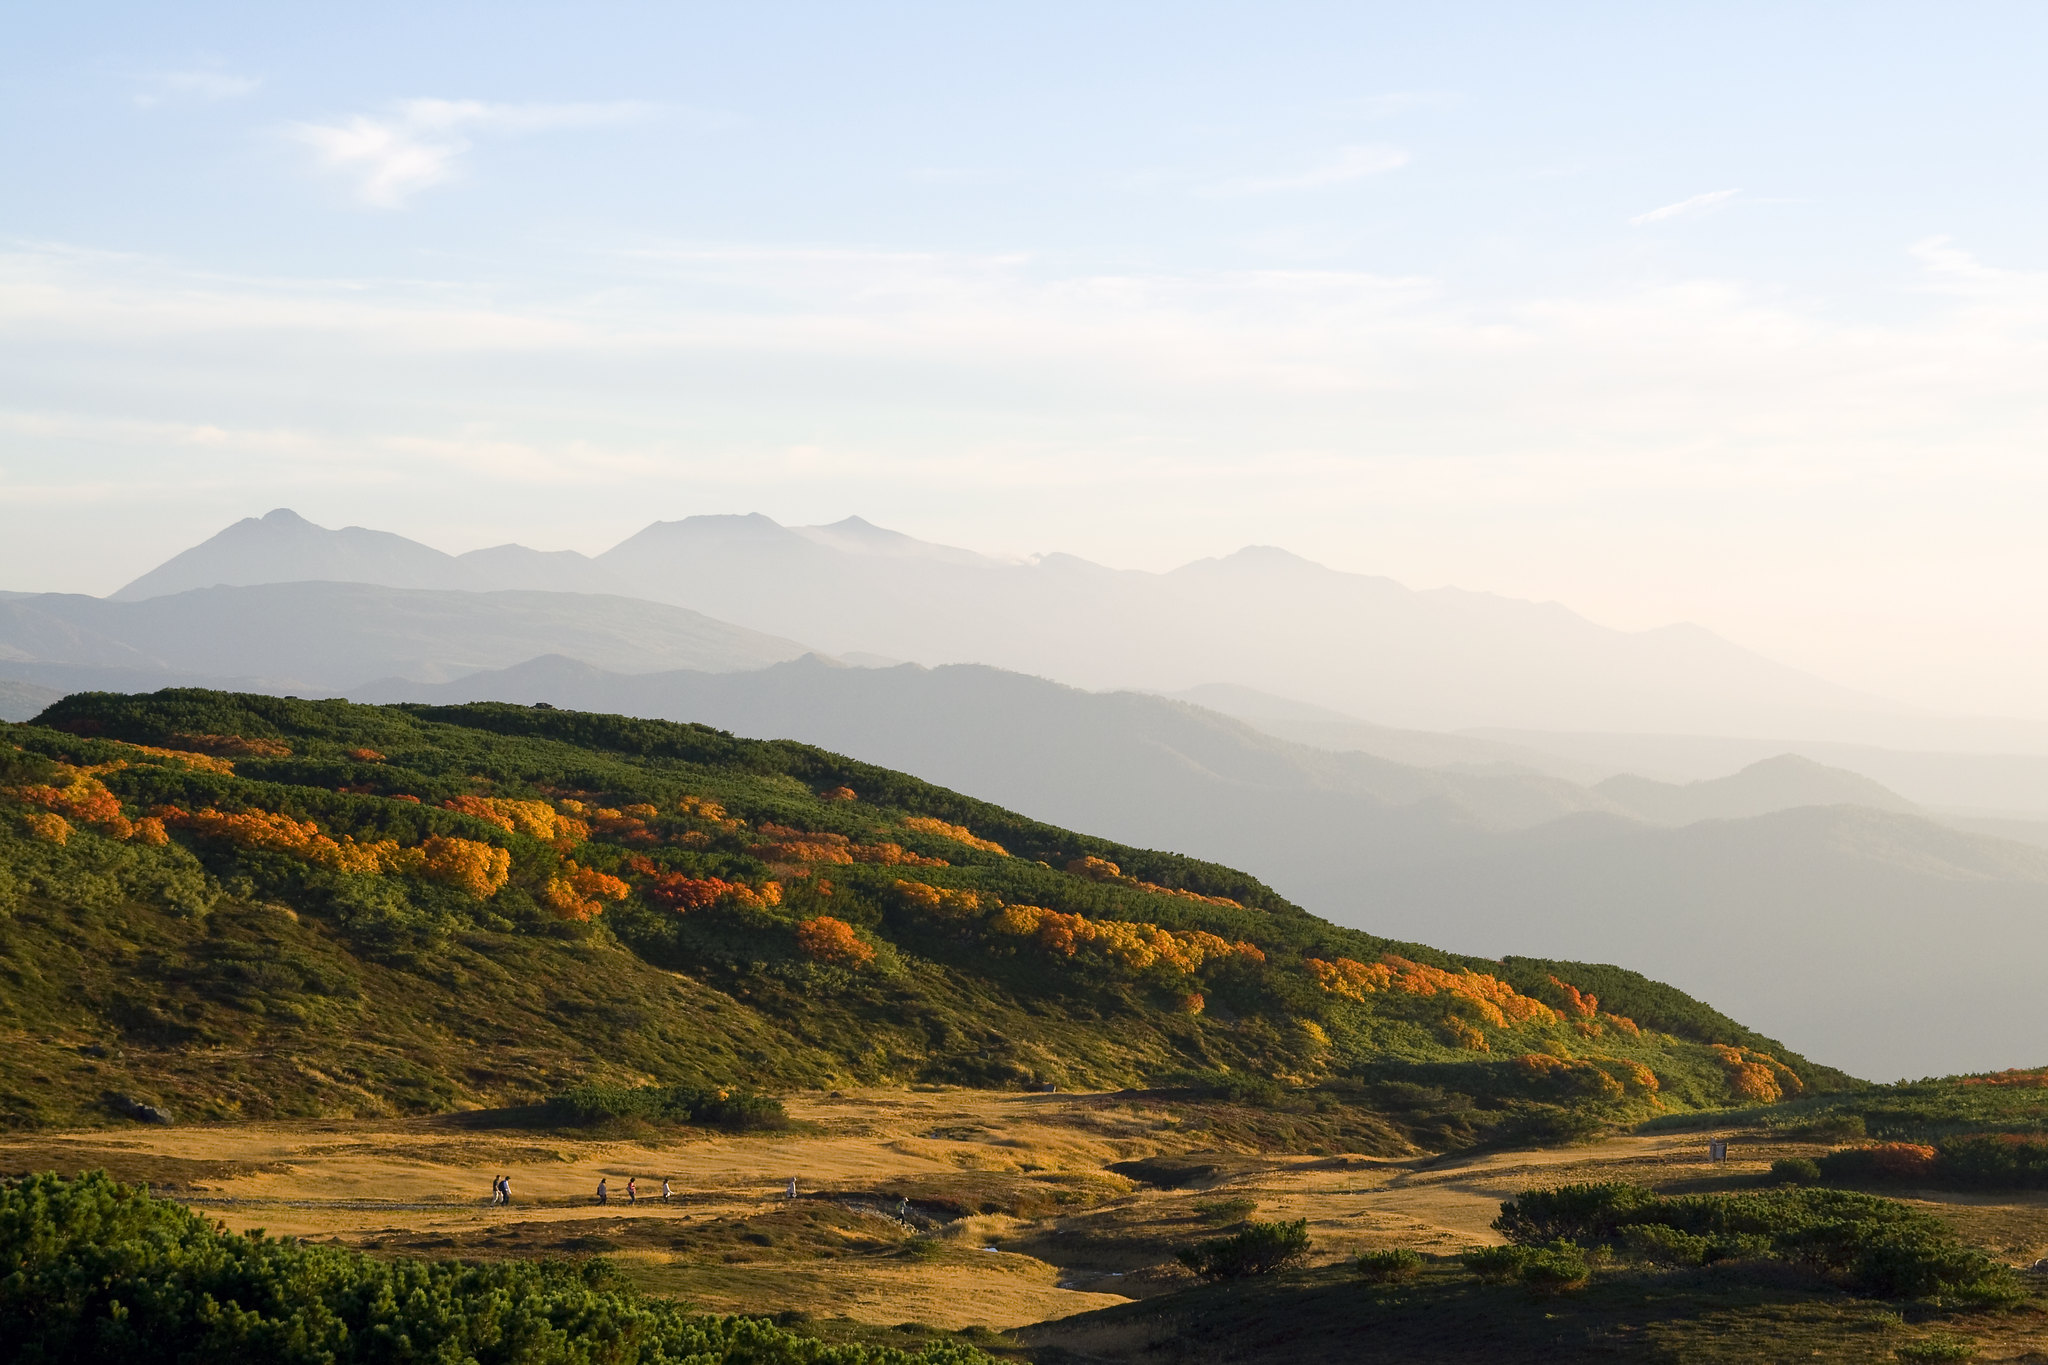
(1863, 906)
(237, 905)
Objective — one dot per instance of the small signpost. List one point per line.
(1717, 1149)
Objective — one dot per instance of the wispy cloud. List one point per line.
(1350, 163)
(393, 156)
(206, 87)
(1684, 208)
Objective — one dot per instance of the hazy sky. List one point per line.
(1724, 313)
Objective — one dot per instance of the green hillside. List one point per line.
(242, 906)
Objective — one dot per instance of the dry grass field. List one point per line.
(950, 1208)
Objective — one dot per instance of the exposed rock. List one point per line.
(130, 1107)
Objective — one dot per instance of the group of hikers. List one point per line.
(501, 1190)
(501, 1193)
(632, 1190)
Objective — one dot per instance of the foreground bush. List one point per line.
(1867, 1244)
(102, 1274)
(1384, 1267)
(1552, 1268)
(1795, 1170)
(590, 1106)
(1260, 1249)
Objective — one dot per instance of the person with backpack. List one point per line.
(632, 1189)
(602, 1196)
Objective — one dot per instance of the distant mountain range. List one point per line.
(1809, 899)
(1261, 618)
(323, 638)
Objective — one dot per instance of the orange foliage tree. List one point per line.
(1498, 1003)
(683, 894)
(1756, 1076)
(959, 834)
(579, 893)
(834, 941)
(1103, 870)
(1131, 946)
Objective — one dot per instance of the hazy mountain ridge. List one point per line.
(1260, 618)
(326, 637)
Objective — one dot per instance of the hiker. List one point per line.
(632, 1189)
(792, 1187)
(664, 1189)
(601, 1196)
(497, 1190)
(505, 1189)
(903, 1210)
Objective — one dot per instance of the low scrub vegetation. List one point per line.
(1260, 1249)
(1872, 1246)
(596, 1106)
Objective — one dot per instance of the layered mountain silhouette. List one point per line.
(318, 637)
(1260, 618)
(1877, 938)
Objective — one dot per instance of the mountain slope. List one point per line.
(329, 636)
(1493, 862)
(246, 905)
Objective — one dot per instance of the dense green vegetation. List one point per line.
(235, 905)
(1872, 1246)
(591, 1106)
(101, 1272)
(1256, 1249)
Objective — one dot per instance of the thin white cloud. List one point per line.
(1350, 163)
(205, 87)
(392, 157)
(1684, 208)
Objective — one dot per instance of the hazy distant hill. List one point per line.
(1766, 913)
(1323, 728)
(323, 637)
(20, 700)
(1780, 783)
(1953, 780)
(1260, 618)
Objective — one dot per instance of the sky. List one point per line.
(1723, 313)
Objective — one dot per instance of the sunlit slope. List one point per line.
(242, 905)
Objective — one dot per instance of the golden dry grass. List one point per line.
(1023, 1174)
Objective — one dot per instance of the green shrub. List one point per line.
(1384, 1267)
(101, 1274)
(2005, 1161)
(1795, 1170)
(1870, 1245)
(1260, 1249)
(1940, 1346)
(1556, 1268)
(1496, 1265)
